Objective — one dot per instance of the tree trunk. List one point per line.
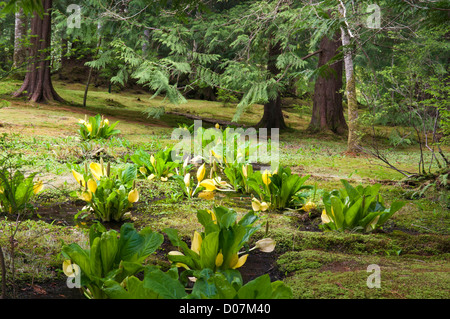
(20, 31)
(273, 115)
(38, 84)
(328, 113)
(350, 88)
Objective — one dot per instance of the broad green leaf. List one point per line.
(209, 250)
(162, 284)
(259, 288)
(281, 291)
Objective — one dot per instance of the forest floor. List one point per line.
(412, 250)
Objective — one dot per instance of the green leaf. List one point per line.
(281, 291)
(259, 288)
(109, 247)
(208, 250)
(134, 246)
(163, 284)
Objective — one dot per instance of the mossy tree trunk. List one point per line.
(350, 89)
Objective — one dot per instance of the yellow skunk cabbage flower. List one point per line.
(38, 187)
(213, 216)
(1, 189)
(208, 184)
(79, 178)
(258, 206)
(97, 170)
(325, 218)
(143, 170)
(68, 268)
(92, 185)
(244, 170)
(217, 126)
(133, 196)
(309, 206)
(153, 160)
(237, 262)
(151, 176)
(201, 172)
(219, 259)
(187, 180)
(86, 196)
(106, 122)
(265, 177)
(89, 127)
(196, 242)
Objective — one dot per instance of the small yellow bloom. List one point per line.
(196, 242)
(258, 206)
(151, 176)
(244, 170)
(324, 217)
(97, 171)
(1, 189)
(133, 196)
(164, 179)
(217, 126)
(219, 259)
(38, 187)
(89, 127)
(79, 178)
(237, 262)
(153, 160)
(92, 185)
(68, 268)
(266, 177)
(143, 170)
(106, 121)
(213, 216)
(208, 184)
(187, 180)
(309, 206)
(201, 172)
(86, 196)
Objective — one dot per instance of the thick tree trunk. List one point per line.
(20, 31)
(328, 113)
(273, 115)
(38, 84)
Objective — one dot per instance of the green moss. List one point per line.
(343, 276)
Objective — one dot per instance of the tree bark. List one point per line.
(273, 115)
(350, 88)
(328, 113)
(20, 30)
(38, 84)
